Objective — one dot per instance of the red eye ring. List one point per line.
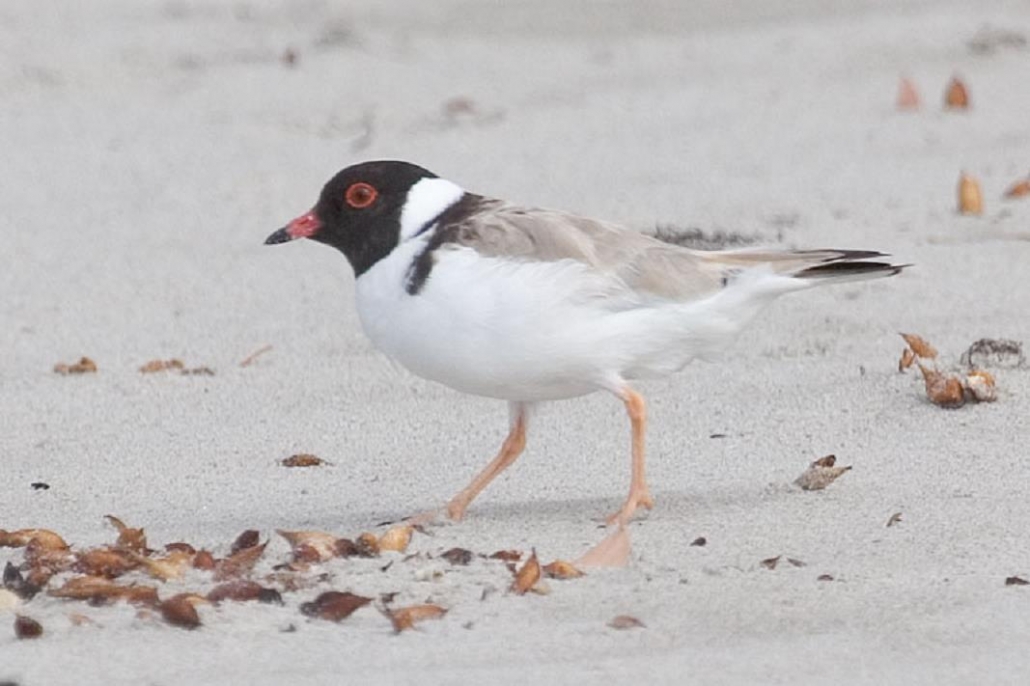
(360, 195)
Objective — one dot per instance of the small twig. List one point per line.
(249, 359)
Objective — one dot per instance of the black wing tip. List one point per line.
(839, 255)
(841, 268)
(851, 262)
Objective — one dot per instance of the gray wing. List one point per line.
(642, 263)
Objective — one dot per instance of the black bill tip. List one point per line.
(280, 236)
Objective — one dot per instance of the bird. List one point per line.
(531, 305)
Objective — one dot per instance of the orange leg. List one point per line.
(510, 450)
(639, 495)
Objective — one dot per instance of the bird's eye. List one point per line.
(360, 195)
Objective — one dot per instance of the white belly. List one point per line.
(521, 330)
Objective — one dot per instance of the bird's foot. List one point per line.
(455, 509)
(638, 497)
(429, 518)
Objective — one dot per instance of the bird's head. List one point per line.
(367, 209)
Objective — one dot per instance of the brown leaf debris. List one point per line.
(347, 548)
(204, 560)
(907, 358)
(83, 366)
(128, 538)
(970, 197)
(623, 622)
(944, 391)
(507, 555)
(311, 546)
(908, 96)
(154, 366)
(39, 575)
(171, 566)
(27, 627)
(397, 538)
(820, 474)
(1016, 581)
(404, 618)
(180, 611)
(40, 557)
(560, 569)
(239, 564)
(99, 589)
(1019, 189)
(458, 556)
(249, 359)
(773, 562)
(43, 539)
(367, 545)
(303, 460)
(949, 390)
(106, 562)
(243, 591)
(247, 539)
(79, 619)
(956, 95)
(334, 605)
(527, 576)
(980, 385)
(919, 346)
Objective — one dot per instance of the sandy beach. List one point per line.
(150, 147)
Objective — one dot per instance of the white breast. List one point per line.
(480, 325)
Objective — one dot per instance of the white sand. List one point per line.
(149, 148)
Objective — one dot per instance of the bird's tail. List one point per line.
(830, 266)
(752, 278)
